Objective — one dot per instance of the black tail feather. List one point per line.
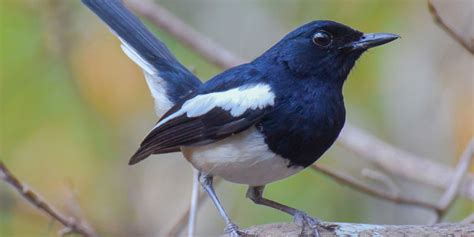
(130, 29)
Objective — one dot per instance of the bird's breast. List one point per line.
(242, 158)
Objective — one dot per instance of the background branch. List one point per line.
(203, 45)
(449, 196)
(402, 163)
(375, 192)
(467, 43)
(71, 224)
(180, 224)
(193, 204)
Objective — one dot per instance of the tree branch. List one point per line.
(402, 163)
(193, 208)
(71, 224)
(450, 195)
(375, 192)
(166, 21)
(392, 159)
(180, 224)
(467, 43)
(349, 229)
(440, 208)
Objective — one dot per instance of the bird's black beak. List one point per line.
(371, 40)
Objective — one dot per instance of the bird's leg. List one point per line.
(256, 195)
(206, 183)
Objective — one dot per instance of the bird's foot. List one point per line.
(232, 230)
(303, 219)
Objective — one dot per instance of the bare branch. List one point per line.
(194, 204)
(204, 46)
(469, 219)
(71, 224)
(382, 178)
(469, 46)
(400, 162)
(350, 229)
(450, 195)
(392, 159)
(365, 188)
(179, 225)
(73, 206)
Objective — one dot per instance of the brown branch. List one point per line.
(462, 168)
(396, 161)
(382, 178)
(375, 192)
(350, 229)
(400, 162)
(204, 46)
(469, 46)
(71, 224)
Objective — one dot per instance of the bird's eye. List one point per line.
(322, 39)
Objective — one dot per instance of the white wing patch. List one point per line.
(156, 84)
(236, 101)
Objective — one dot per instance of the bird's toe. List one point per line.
(233, 230)
(304, 220)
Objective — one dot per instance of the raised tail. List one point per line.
(169, 80)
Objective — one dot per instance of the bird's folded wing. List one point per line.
(207, 118)
(169, 81)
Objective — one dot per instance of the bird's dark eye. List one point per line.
(322, 39)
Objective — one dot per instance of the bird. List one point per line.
(252, 124)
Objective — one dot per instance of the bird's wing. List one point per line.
(168, 80)
(206, 118)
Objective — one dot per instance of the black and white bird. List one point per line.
(252, 124)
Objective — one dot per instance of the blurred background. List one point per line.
(74, 108)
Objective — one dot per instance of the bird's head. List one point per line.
(325, 49)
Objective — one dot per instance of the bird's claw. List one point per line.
(232, 230)
(303, 219)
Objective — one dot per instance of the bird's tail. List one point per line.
(169, 81)
(146, 50)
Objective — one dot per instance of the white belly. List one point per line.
(242, 158)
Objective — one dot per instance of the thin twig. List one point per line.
(204, 46)
(382, 178)
(71, 224)
(400, 162)
(469, 46)
(194, 204)
(75, 208)
(446, 201)
(469, 219)
(356, 184)
(179, 225)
